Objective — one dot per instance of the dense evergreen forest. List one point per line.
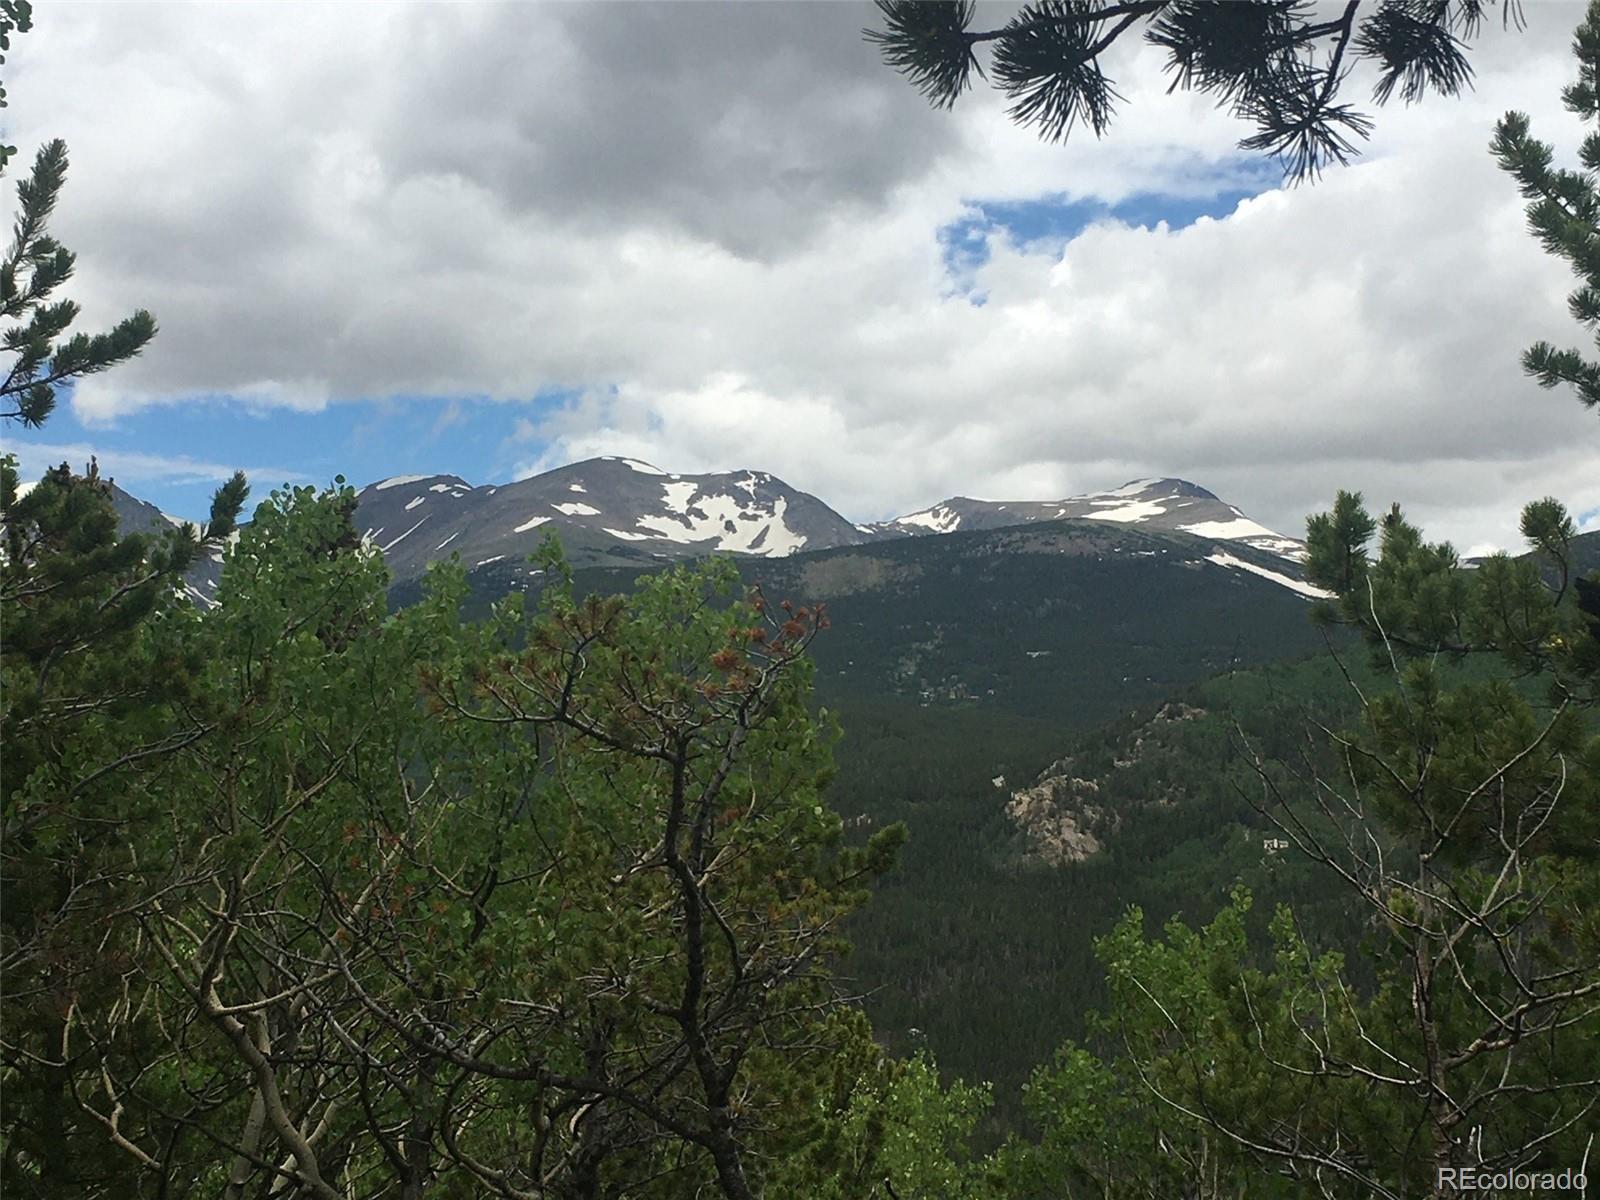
(679, 883)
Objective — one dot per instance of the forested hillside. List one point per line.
(964, 668)
(1066, 622)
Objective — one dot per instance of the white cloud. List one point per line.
(131, 466)
(101, 399)
(733, 245)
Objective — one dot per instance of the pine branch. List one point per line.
(1258, 57)
(1564, 213)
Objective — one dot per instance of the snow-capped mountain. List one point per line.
(617, 506)
(1169, 505)
(624, 512)
(614, 511)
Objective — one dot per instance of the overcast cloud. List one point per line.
(717, 227)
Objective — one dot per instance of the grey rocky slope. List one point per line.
(140, 516)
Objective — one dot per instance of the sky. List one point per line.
(396, 238)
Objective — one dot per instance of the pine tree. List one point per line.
(1564, 212)
(96, 694)
(1277, 64)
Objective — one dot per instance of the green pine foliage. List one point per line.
(33, 267)
(1279, 64)
(1564, 212)
(95, 689)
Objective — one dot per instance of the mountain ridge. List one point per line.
(623, 511)
(1168, 504)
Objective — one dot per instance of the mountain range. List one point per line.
(624, 512)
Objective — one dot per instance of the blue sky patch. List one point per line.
(1053, 221)
(175, 455)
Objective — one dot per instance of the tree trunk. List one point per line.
(725, 1154)
(55, 1172)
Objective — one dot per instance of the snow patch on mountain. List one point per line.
(1139, 510)
(576, 509)
(1223, 559)
(734, 526)
(678, 495)
(1133, 488)
(403, 536)
(1282, 546)
(1234, 530)
(940, 519)
(531, 523)
(399, 481)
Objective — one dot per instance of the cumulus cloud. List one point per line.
(718, 227)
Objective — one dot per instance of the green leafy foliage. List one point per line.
(542, 903)
(887, 1128)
